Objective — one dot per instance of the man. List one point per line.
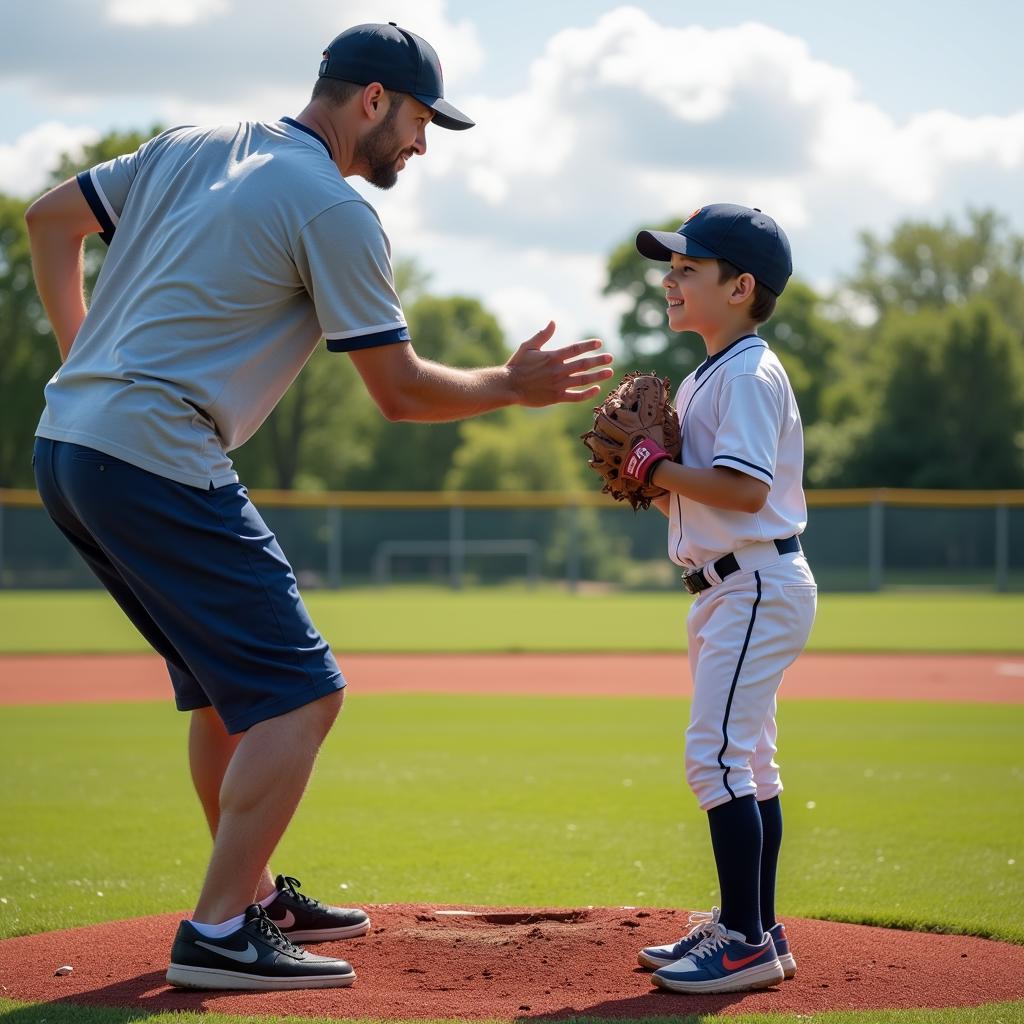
(232, 251)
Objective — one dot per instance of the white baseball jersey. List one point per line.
(737, 409)
(233, 250)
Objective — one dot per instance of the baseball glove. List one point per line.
(639, 409)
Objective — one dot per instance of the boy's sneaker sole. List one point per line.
(210, 978)
(761, 976)
(788, 966)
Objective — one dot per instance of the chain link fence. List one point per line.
(855, 540)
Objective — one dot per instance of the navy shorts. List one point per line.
(200, 575)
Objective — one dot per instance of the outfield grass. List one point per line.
(510, 619)
(56, 1013)
(909, 815)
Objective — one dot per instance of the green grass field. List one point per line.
(909, 815)
(512, 619)
(884, 810)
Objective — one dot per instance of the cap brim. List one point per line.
(659, 245)
(445, 115)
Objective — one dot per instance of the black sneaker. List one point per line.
(256, 957)
(303, 919)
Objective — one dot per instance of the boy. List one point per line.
(736, 510)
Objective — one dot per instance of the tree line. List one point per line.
(910, 373)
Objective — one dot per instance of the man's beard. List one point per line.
(378, 150)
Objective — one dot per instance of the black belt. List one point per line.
(695, 581)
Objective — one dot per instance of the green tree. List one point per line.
(517, 449)
(949, 408)
(457, 331)
(931, 266)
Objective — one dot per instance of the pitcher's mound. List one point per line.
(522, 964)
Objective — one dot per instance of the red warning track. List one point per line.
(64, 679)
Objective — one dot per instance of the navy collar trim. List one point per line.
(309, 131)
(711, 360)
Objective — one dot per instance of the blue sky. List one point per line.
(594, 119)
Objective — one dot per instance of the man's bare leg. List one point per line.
(210, 748)
(262, 782)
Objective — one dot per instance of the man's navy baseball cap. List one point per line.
(400, 60)
(747, 238)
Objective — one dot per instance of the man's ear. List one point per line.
(372, 96)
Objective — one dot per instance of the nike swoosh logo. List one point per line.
(734, 965)
(243, 956)
(288, 921)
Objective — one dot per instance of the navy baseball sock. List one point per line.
(771, 831)
(736, 840)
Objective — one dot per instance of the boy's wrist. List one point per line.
(644, 460)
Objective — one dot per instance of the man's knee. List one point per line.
(326, 710)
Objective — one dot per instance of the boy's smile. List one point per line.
(690, 291)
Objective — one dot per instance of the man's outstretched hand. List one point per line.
(542, 377)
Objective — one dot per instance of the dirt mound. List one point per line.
(522, 964)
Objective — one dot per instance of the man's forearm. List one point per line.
(438, 394)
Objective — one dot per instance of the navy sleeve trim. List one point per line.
(92, 197)
(369, 340)
(742, 462)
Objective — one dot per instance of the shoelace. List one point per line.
(293, 885)
(702, 920)
(269, 931)
(716, 938)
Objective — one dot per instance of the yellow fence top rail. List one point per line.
(851, 497)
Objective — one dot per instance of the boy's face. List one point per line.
(696, 299)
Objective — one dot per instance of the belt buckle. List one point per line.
(694, 581)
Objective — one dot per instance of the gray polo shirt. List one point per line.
(233, 250)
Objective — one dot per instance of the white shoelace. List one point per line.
(716, 938)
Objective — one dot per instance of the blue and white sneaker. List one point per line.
(723, 961)
(653, 957)
(781, 941)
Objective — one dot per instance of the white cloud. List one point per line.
(619, 123)
(164, 12)
(26, 164)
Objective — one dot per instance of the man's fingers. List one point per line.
(602, 359)
(591, 376)
(545, 334)
(582, 396)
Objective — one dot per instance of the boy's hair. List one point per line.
(763, 306)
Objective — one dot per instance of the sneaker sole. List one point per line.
(652, 963)
(352, 931)
(788, 965)
(182, 976)
(762, 976)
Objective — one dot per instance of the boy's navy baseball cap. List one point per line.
(747, 238)
(400, 60)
